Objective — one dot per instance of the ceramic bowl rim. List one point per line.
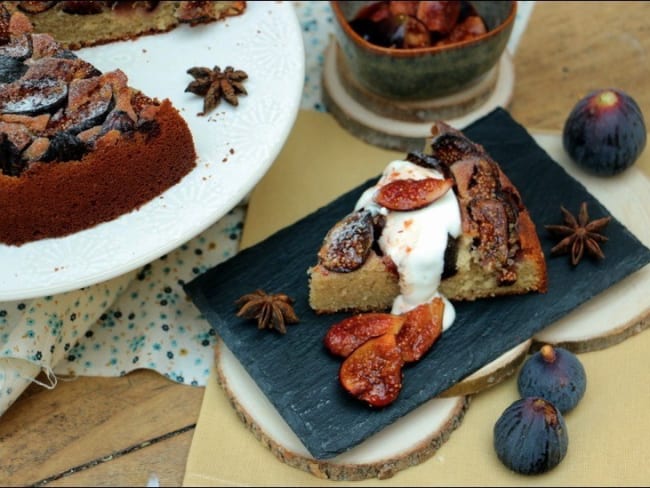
(413, 52)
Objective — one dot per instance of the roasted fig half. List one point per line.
(555, 374)
(530, 436)
(348, 243)
(605, 132)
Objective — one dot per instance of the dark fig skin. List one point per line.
(605, 132)
(554, 374)
(530, 436)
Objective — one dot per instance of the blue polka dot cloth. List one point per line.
(143, 319)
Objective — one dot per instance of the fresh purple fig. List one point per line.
(530, 436)
(605, 132)
(555, 374)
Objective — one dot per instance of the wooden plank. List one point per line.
(570, 48)
(165, 460)
(48, 432)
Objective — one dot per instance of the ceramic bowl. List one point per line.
(423, 73)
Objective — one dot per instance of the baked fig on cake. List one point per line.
(77, 24)
(78, 147)
(447, 223)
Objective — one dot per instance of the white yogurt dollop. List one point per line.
(416, 239)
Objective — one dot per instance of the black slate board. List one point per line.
(296, 372)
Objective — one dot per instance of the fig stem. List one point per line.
(548, 353)
(607, 98)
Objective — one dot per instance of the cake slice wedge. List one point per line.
(475, 241)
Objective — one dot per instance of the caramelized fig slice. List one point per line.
(427, 161)
(451, 257)
(195, 12)
(60, 67)
(117, 120)
(439, 17)
(65, 146)
(82, 7)
(348, 334)
(88, 104)
(32, 97)
(11, 69)
(373, 372)
(19, 48)
(470, 28)
(449, 145)
(36, 150)
(35, 6)
(5, 30)
(422, 327)
(10, 163)
(45, 45)
(412, 194)
(492, 220)
(346, 245)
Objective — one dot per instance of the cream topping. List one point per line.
(416, 239)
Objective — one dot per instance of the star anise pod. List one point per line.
(271, 311)
(579, 235)
(214, 84)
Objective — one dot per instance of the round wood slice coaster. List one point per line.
(619, 313)
(622, 310)
(451, 106)
(411, 440)
(407, 442)
(403, 126)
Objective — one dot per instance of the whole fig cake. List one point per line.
(87, 23)
(78, 147)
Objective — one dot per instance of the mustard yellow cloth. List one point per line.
(609, 431)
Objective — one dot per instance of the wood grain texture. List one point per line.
(571, 48)
(86, 422)
(567, 49)
(162, 460)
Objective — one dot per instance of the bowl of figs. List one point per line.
(416, 50)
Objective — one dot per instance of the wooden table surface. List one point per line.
(118, 431)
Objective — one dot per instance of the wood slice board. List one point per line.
(449, 107)
(624, 309)
(402, 126)
(602, 322)
(381, 456)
